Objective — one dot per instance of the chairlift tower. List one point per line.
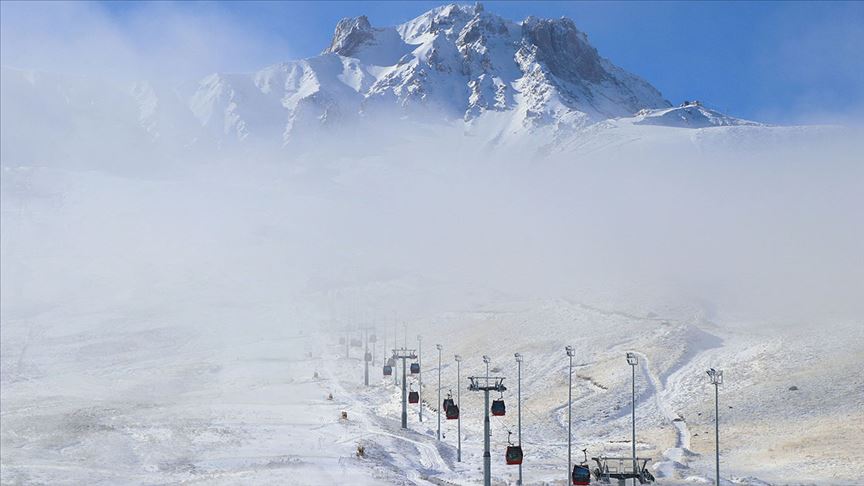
(404, 354)
(347, 343)
(716, 377)
(367, 358)
(518, 357)
(420, 374)
(486, 384)
(374, 340)
(458, 404)
(395, 340)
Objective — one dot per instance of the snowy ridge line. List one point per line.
(457, 66)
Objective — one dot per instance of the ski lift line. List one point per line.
(500, 422)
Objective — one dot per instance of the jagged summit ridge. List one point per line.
(464, 61)
(350, 34)
(454, 64)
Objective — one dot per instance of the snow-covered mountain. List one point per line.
(454, 62)
(458, 65)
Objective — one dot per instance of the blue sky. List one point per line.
(781, 62)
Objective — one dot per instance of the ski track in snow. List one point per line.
(430, 462)
(677, 457)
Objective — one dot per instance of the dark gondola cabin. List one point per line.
(513, 454)
(498, 408)
(415, 368)
(581, 475)
(388, 370)
(413, 397)
(448, 402)
(453, 412)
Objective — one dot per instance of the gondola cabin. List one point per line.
(415, 368)
(448, 402)
(452, 412)
(498, 408)
(388, 370)
(581, 475)
(413, 397)
(513, 455)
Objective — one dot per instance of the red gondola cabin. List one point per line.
(453, 412)
(513, 455)
(498, 408)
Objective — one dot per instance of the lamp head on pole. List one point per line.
(518, 357)
(439, 347)
(457, 358)
(486, 359)
(716, 376)
(570, 351)
(632, 359)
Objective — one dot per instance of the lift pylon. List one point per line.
(404, 354)
(486, 384)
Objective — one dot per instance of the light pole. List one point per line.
(438, 407)
(633, 360)
(570, 353)
(518, 357)
(420, 375)
(716, 380)
(458, 404)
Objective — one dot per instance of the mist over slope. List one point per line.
(179, 259)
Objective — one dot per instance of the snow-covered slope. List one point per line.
(690, 114)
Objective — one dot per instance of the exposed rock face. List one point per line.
(351, 33)
(563, 49)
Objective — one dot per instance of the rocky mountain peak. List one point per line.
(452, 63)
(350, 34)
(563, 48)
